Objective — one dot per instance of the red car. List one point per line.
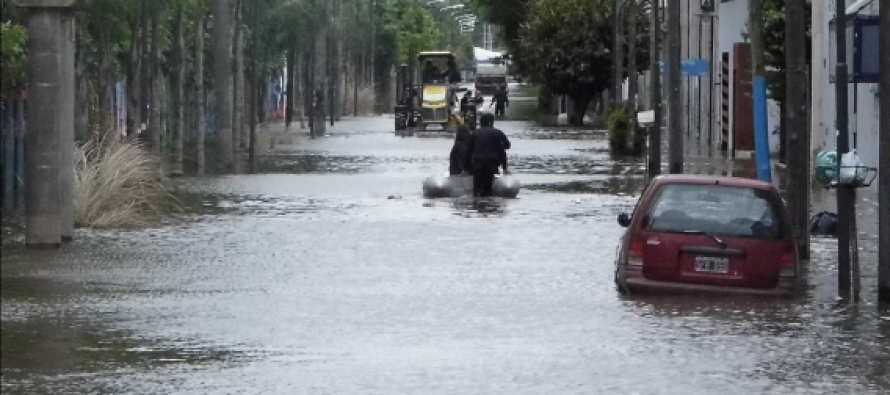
(706, 234)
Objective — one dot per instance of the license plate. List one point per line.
(706, 264)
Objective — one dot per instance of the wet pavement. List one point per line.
(330, 273)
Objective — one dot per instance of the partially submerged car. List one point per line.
(707, 234)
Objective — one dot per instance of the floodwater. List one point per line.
(330, 274)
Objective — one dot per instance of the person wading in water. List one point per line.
(500, 102)
(486, 151)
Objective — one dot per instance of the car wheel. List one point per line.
(618, 286)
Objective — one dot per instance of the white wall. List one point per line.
(863, 125)
(732, 22)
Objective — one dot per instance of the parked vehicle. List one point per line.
(706, 234)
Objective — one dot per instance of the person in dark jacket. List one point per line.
(500, 101)
(486, 151)
(458, 151)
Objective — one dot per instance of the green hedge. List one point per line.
(621, 140)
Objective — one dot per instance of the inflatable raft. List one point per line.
(440, 185)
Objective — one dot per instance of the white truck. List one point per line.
(490, 78)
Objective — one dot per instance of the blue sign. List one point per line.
(690, 67)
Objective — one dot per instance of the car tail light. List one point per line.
(635, 252)
(789, 263)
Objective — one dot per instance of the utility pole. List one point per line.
(797, 125)
(884, 161)
(50, 138)
(655, 90)
(632, 74)
(845, 195)
(675, 96)
(758, 85)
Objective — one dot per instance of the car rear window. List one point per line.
(714, 209)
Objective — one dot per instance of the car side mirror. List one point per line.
(624, 220)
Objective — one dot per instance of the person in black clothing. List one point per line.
(486, 151)
(464, 101)
(458, 151)
(452, 74)
(478, 100)
(500, 101)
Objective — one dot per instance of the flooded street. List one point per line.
(329, 273)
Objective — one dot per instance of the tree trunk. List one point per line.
(178, 95)
(795, 123)
(106, 82)
(238, 119)
(632, 75)
(332, 80)
(81, 101)
(298, 89)
(134, 82)
(320, 74)
(307, 73)
(222, 70)
(154, 125)
(200, 97)
(337, 62)
(578, 108)
(289, 86)
(145, 82)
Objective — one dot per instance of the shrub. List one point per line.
(365, 100)
(13, 57)
(618, 130)
(117, 184)
(621, 139)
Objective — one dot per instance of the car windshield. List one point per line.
(715, 210)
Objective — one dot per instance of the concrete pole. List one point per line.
(43, 186)
(655, 89)
(675, 96)
(884, 161)
(66, 125)
(845, 195)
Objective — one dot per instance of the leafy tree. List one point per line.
(411, 27)
(774, 40)
(774, 43)
(565, 46)
(13, 57)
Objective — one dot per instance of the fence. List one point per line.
(13, 125)
(13, 110)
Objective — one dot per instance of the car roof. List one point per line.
(712, 180)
